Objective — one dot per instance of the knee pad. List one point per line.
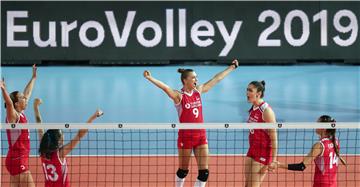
(203, 175)
(182, 173)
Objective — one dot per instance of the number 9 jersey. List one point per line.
(55, 171)
(190, 111)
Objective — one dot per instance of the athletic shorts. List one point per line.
(191, 139)
(260, 153)
(16, 166)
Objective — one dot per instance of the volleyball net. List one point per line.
(146, 154)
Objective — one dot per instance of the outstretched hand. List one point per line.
(34, 71)
(147, 74)
(37, 101)
(99, 113)
(2, 84)
(235, 63)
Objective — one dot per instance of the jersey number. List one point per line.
(333, 159)
(196, 112)
(52, 176)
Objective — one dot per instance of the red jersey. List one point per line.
(258, 136)
(326, 165)
(190, 110)
(55, 171)
(18, 140)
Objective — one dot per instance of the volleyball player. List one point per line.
(53, 152)
(263, 142)
(189, 107)
(17, 158)
(325, 153)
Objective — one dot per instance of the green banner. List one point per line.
(163, 31)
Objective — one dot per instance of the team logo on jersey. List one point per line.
(187, 105)
(330, 145)
(197, 98)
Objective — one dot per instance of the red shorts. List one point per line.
(260, 153)
(16, 166)
(191, 139)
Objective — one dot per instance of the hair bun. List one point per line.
(263, 83)
(181, 70)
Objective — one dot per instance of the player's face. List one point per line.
(22, 101)
(252, 94)
(191, 80)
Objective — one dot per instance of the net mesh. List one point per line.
(147, 154)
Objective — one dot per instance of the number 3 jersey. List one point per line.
(55, 170)
(326, 165)
(190, 110)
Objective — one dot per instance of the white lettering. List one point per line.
(196, 33)
(51, 41)
(100, 34)
(11, 28)
(228, 38)
(65, 29)
(182, 27)
(157, 33)
(120, 41)
(169, 28)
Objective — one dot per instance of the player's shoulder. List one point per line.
(319, 146)
(265, 106)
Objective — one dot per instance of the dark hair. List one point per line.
(50, 142)
(260, 87)
(332, 134)
(184, 73)
(13, 97)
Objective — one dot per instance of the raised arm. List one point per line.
(269, 117)
(10, 110)
(37, 103)
(66, 149)
(316, 150)
(29, 87)
(217, 78)
(174, 95)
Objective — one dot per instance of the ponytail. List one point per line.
(332, 134)
(263, 83)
